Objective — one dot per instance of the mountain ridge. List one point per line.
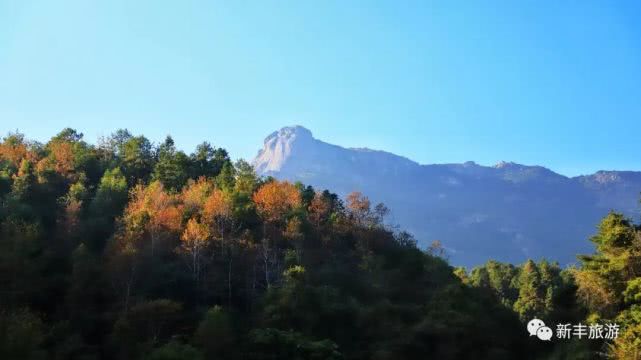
(297, 129)
(507, 211)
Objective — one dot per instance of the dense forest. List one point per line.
(132, 250)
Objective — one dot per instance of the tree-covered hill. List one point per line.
(131, 250)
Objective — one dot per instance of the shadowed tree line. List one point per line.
(133, 250)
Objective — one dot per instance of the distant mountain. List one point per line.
(508, 212)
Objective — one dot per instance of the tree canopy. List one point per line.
(135, 250)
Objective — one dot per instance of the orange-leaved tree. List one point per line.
(194, 241)
(274, 201)
(152, 213)
(194, 195)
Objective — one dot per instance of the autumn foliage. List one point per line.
(13, 150)
(134, 250)
(274, 200)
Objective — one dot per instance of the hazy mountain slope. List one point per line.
(508, 212)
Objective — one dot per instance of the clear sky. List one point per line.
(555, 83)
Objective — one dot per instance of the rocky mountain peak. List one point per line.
(507, 165)
(278, 147)
(289, 133)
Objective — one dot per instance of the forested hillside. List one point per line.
(130, 250)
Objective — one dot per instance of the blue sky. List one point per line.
(550, 83)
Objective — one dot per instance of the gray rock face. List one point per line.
(509, 212)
